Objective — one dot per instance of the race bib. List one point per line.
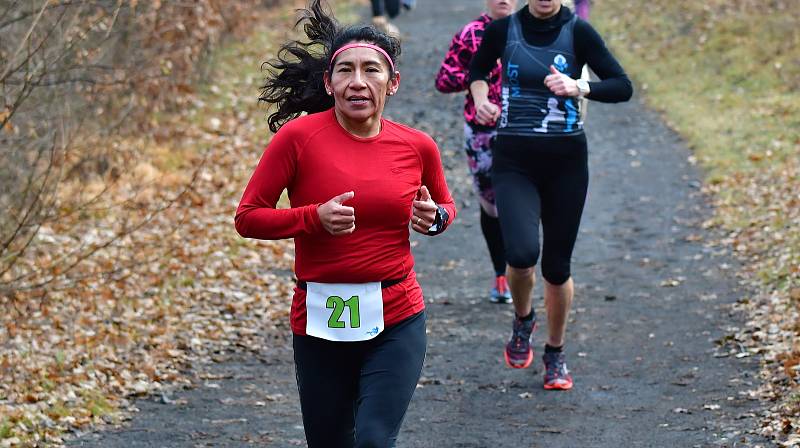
(344, 312)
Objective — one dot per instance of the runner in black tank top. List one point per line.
(540, 170)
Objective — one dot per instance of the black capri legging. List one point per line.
(355, 394)
(541, 179)
(386, 7)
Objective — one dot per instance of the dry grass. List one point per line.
(726, 75)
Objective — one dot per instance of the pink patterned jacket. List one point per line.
(453, 75)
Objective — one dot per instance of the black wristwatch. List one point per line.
(440, 222)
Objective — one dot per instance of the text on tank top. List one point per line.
(528, 106)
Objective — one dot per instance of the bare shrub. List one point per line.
(77, 77)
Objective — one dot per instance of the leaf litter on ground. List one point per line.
(76, 357)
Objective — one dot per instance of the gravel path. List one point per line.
(642, 353)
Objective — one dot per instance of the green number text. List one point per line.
(338, 304)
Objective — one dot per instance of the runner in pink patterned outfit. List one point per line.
(582, 8)
(479, 139)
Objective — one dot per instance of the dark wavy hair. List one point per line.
(295, 78)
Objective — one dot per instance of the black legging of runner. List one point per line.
(490, 227)
(355, 394)
(541, 179)
(386, 7)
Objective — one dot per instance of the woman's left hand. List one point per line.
(561, 84)
(423, 211)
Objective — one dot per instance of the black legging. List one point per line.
(540, 179)
(490, 227)
(355, 394)
(386, 7)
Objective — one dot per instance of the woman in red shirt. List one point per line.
(356, 181)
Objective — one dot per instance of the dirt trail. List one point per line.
(642, 353)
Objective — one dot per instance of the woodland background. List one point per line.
(127, 130)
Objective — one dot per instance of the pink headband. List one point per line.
(363, 45)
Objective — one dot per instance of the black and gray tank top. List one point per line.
(529, 108)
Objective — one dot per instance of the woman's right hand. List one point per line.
(486, 113)
(336, 218)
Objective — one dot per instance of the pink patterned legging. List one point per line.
(582, 9)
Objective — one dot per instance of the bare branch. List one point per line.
(30, 212)
(68, 61)
(25, 40)
(81, 254)
(25, 16)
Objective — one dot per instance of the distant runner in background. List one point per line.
(582, 8)
(384, 10)
(453, 76)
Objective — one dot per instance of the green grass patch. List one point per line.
(97, 404)
(5, 429)
(60, 358)
(58, 411)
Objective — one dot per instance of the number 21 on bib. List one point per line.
(346, 312)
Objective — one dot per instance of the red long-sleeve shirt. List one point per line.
(316, 159)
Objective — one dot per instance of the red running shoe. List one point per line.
(556, 374)
(519, 353)
(500, 292)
